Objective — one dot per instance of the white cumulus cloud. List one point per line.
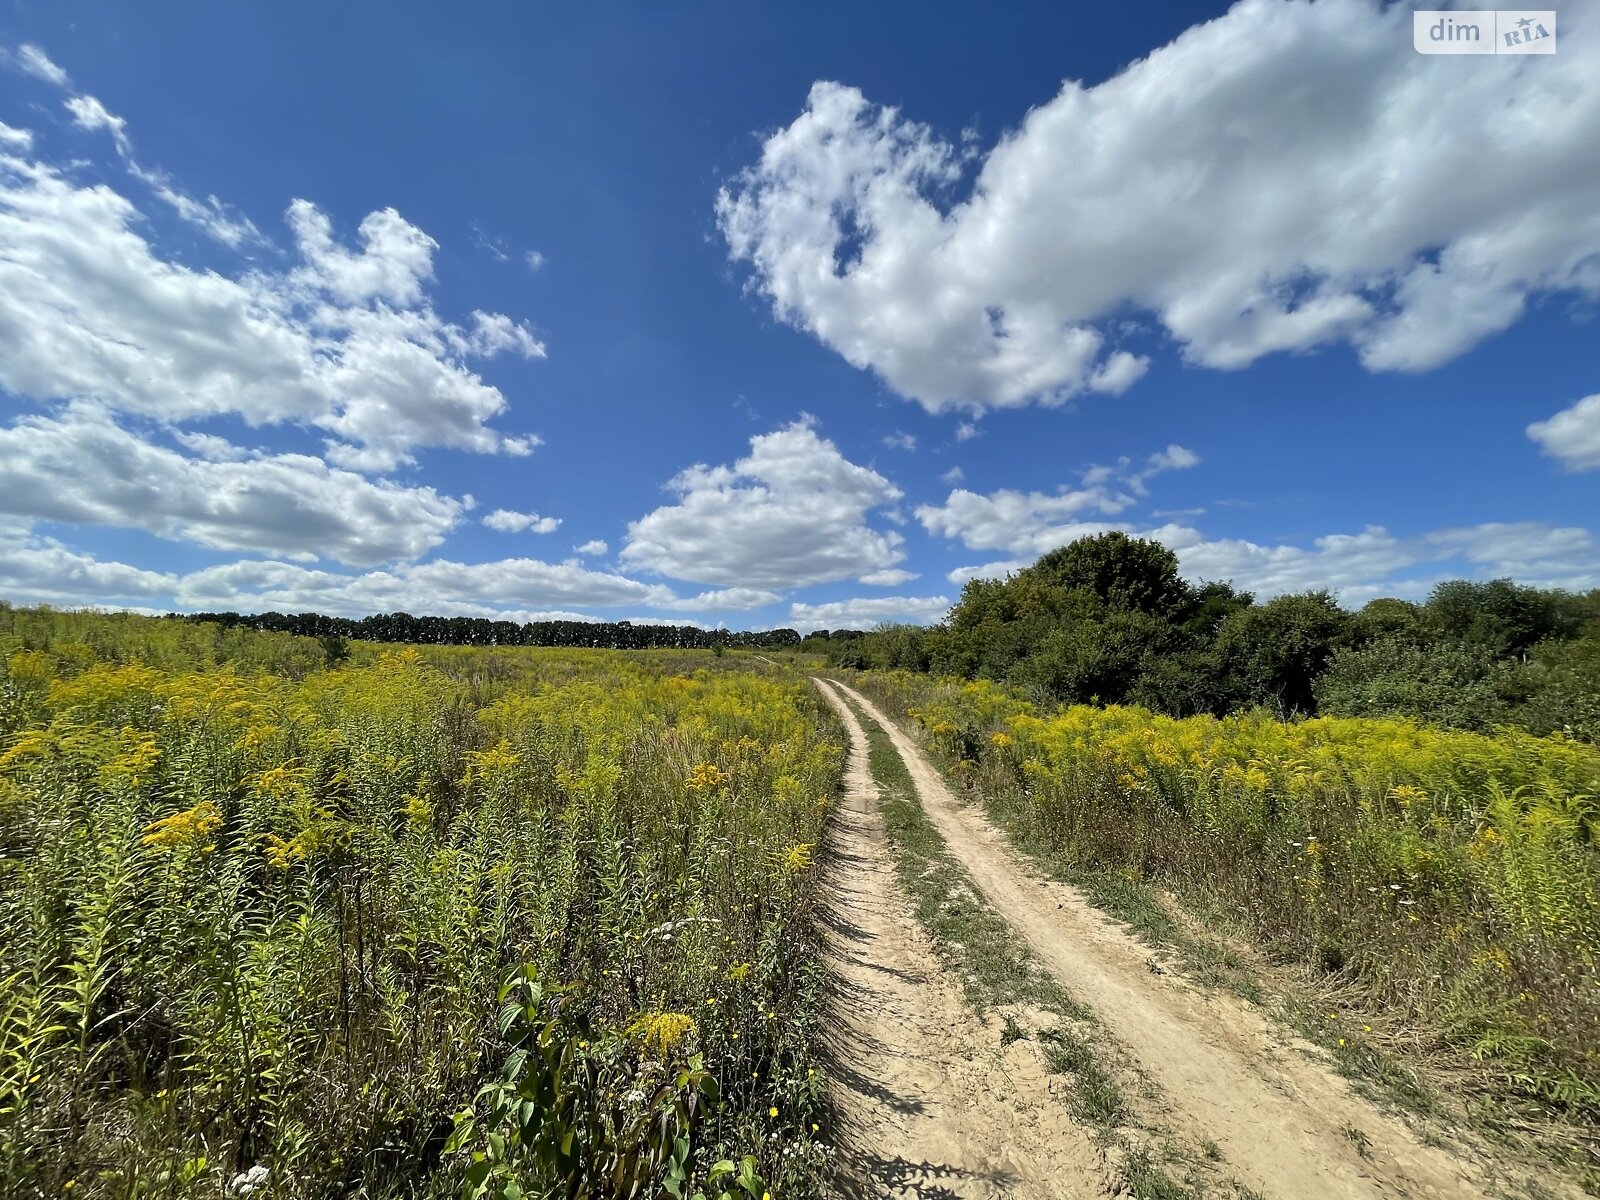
(507, 521)
(867, 613)
(83, 468)
(792, 512)
(893, 577)
(1287, 176)
(35, 569)
(1572, 436)
(346, 341)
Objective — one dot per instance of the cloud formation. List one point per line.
(506, 521)
(32, 60)
(1356, 566)
(82, 467)
(868, 613)
(346, 341)
(1029, 523)
(1572, 436)
(792, 512)
(1281, 178)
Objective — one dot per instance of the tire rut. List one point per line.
(930, 1105)
(1280, 1118)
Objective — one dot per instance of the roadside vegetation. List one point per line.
(1107, 620)
(1403, 803)
(289, 917)
(1002, 980)
(1449, 878)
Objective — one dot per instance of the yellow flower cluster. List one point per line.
(184, 829)
(706, 777)
(662, 1032)
(1431, 807)
(492, 764)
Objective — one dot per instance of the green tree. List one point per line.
(1097, 661)
(1563, 687)
(1124, 572)
(1388, 618)
(1504, 617)
(1271, 654)
(1212, 603)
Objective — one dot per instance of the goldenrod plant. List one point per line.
(276, 928)
(1453, 875)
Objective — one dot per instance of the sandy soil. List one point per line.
(1279, 1115)
(930, 1104)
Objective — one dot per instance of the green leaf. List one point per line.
(515, 1062)
(509, 1013)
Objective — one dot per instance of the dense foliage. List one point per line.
(490, 920)
(1455, 876)
(480, 631)
(1108, 620)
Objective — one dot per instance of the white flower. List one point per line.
(248, 1181)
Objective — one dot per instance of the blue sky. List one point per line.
(808, 314)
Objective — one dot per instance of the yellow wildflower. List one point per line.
(185, 828)
(798, 858)
(706, 777)
(662, 1031)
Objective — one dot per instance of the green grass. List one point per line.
(1381, 1076)
(994, 966)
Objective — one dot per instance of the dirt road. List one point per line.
(930, 1104)
(1287, 1126)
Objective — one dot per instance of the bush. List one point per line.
(1271, 655)
(1449, 683)
(1563, 686)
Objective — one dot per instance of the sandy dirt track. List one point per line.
(930, 1105)
(1279, 1116)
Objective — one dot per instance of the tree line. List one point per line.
(480, 631)
(1108, 620)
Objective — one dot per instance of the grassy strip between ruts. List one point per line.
(997, 971)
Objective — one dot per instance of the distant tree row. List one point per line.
(479, 631)
(1108, 620)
